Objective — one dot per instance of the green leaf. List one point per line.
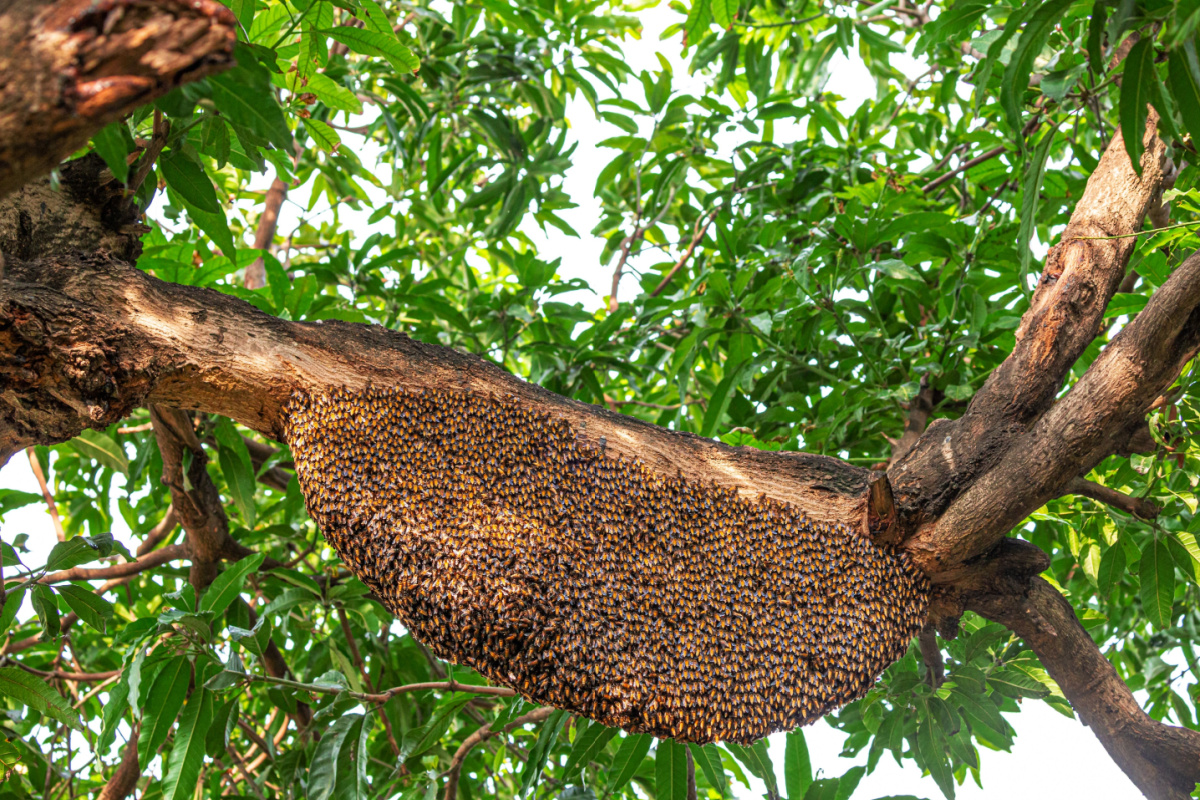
(100, 447)
(190, 180)
(333, 94)
(78, 550)
(113, 713)
(1157, 574)
(239, 477)
(1031, 189)
(187, 754)
(373, 43)
(1095, 38)
(377, 19)
(87, 605)
(223, 721)
(586, 748)
(629, 757)
(849, 782)
(719, 400)
(1137, 89)
(1112, 568)
(228, 585)
(932, 756)
(322, 135)
(709, 760)
(46, 608)
(11, 499)
(983, 72)
(323, 773)
(1020, 66)
(758, 761)
(161, 707)
(797, 767)
(111, 143)
(670, 771)
(244, 94)
(12, 604)
(532, 772)
(1183, 76)
(32, 691)
(419, 740)
(723, 11)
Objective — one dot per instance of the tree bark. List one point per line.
(70, 67)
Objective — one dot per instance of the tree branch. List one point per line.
(1065, 315)
(124, 780)
(1160, 759)
(482, 735)
(71, 67)
(51, 505)
(155, 558)
(1111, 497)
(256, 273)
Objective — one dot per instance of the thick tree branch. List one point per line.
(1161, 760)
(1066, 313)
(71, 67)
(85, 340)
(1138, 365)
(155, 558)
(124, 780)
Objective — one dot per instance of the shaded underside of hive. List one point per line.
(586, 581)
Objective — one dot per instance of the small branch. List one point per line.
(701, 229)
(145, 163)
(691, 774)
(931, 655)
(77, 677)
(151, 560)
(256, 273)
(51, 506)
(124, 780)
(919, 409)
(160, 531)
(384, 696)
(481, 735)
(1111, 497)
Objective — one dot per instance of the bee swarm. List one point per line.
(585, 581)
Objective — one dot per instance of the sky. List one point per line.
(1053, 756)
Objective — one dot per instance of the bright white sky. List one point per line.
(1053, 756)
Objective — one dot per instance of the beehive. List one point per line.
(585, 581)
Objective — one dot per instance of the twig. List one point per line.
(1135, 234)
(154, 559)
(362, 668)
(51, 506)
(256, 273)
(701, 229)
(1143, 509)
(78, 677)
(784, 24)
(145, 162)
(384, 696)
(481, 735)
(159, 532)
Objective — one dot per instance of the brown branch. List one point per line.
(165, 527)
(70, 69)
(1160, 759)
(919, 409)
(931, 655)
(145, 163)
(701, 228)
(941, 473)
(362, 668)
(1111, 497)
(256, 273)
(691, 775)
(77, 677)
(482, 735)
(124, 780)
(155, 558)
(51, 505)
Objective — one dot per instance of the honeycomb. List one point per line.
(586, 581)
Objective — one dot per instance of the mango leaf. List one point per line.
(33, 691)
(1157, 574)
(1112, 568)
(1020, 64)
(1031, 189)
(670, 771)
(99, 446)
(187, 753)
(532, 772)
(587, 748)
(322, 135)
(162, 704)
(1183, 77)
(112, 144)
(629, 757)
(797, 766)
(323, 774)
(78, 550)
(46, 608)
(723, 11)
(189, 179)
(1137, 90)
(87, 605)
(373, 43)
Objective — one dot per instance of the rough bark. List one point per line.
(1162, 760)
(1079, 279)
(256, 273)
(124, 780)
(70, 67)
